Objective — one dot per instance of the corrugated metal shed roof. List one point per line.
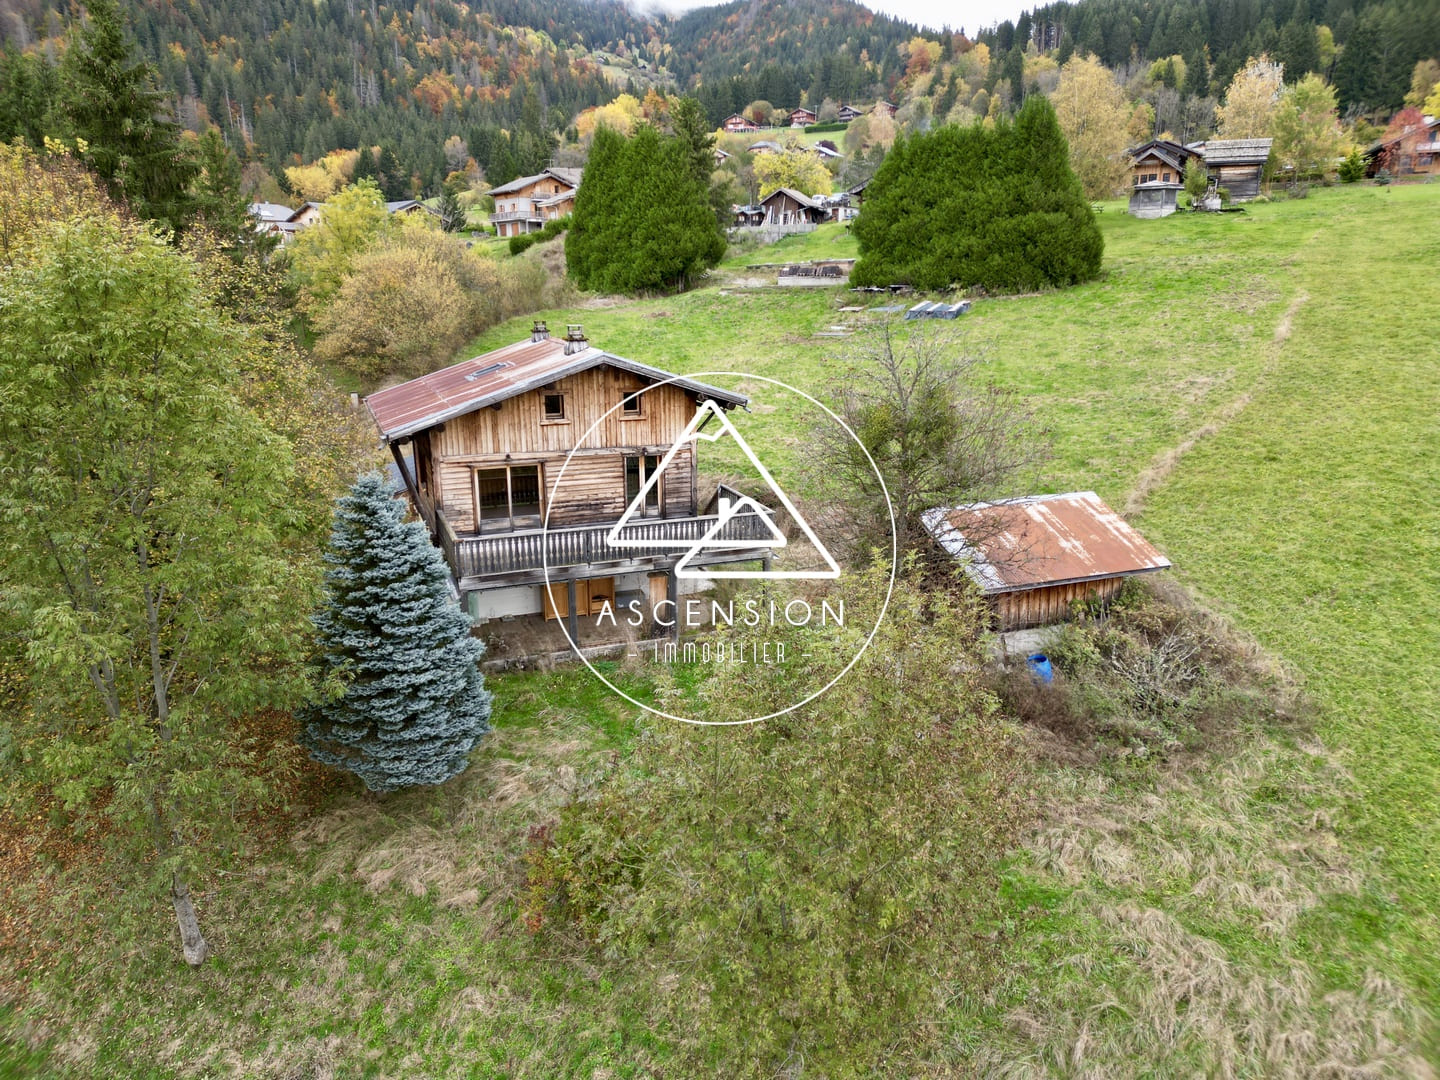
(401, 411)
(1236, 151)
(1041, 540)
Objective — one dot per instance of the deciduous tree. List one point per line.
(1307, 128)
(145, 515)
(795, 167)
(1093, 115)
(1250, 101)
(322, 256)
(939, 434)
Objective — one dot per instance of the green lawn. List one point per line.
(1259, 391)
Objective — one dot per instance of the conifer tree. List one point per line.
(414, 703)
(594, 229)
(642, 217)
(110, 101)
(1011, 217)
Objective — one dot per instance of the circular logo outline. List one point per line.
(884, 607)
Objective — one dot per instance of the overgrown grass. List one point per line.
(1259, 392)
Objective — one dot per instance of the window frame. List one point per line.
(635, 398)
(545, 417)
(511, 524)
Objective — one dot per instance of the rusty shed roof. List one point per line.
(401, 411)
(1042, 540)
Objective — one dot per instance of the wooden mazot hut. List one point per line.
(1035, 557)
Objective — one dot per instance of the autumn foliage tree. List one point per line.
(1092, 112)
(795, 167)
(1250, 101)
(1306, 127)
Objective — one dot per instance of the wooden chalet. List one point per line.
(526, 204)
(1157, 176)
(1414, 152)
(749, 217)
(1037, 556)
(848, 113)
(786, 206)
(480, 447)
(1238, 165)
(735, 124)
(764, 146)
(802, 118)
(889, 108)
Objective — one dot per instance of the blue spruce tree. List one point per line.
(414, 703)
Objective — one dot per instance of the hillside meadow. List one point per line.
(1257, 391)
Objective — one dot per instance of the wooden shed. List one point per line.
(1238, 165)
(1034, 557)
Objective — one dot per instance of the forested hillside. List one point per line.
(297, 79)
(1368, 49)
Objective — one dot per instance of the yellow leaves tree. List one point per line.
(318, 181)
(922, 55)
(1094, 117)
(400, 311)
(1251, 100)
(322, 255)
(793, 167)
(620, 115)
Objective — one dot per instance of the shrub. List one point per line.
(1154, 677)
(791, 865)
(551, 230)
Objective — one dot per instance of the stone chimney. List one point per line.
(539, 332)
(575, 340)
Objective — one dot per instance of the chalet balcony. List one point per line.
(473, 558)
(514, 215)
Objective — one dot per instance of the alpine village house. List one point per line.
(481, 447)
(526, 204)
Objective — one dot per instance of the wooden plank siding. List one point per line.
(1039, 607)
(516, 433)
(1242, 181)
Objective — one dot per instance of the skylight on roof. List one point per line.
(487, 370)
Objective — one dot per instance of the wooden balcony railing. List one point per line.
(515, 215)
(505, 553)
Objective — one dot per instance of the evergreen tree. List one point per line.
(1197, 81)
(414, 703)
(642, 217)
(597, 222)
(1012, 215)
(1299, 49)
(218, 200)
(110, 100)
(1014, 71)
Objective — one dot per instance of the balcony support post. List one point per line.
(573, 617)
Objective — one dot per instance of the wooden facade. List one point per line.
(517, 435)
(1237, 165)
(788, 207)
(1416, 152)
(526, 204)
(1056, 603)
(486, 448)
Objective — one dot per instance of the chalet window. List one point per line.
(552, 408)
(638, 472)
(507, 498)
(631, 405)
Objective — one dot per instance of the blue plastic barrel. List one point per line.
(1040, 667)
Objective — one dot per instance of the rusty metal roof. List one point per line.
(401, 411)
(1041, 540)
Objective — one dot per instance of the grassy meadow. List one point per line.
(1258, 393)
